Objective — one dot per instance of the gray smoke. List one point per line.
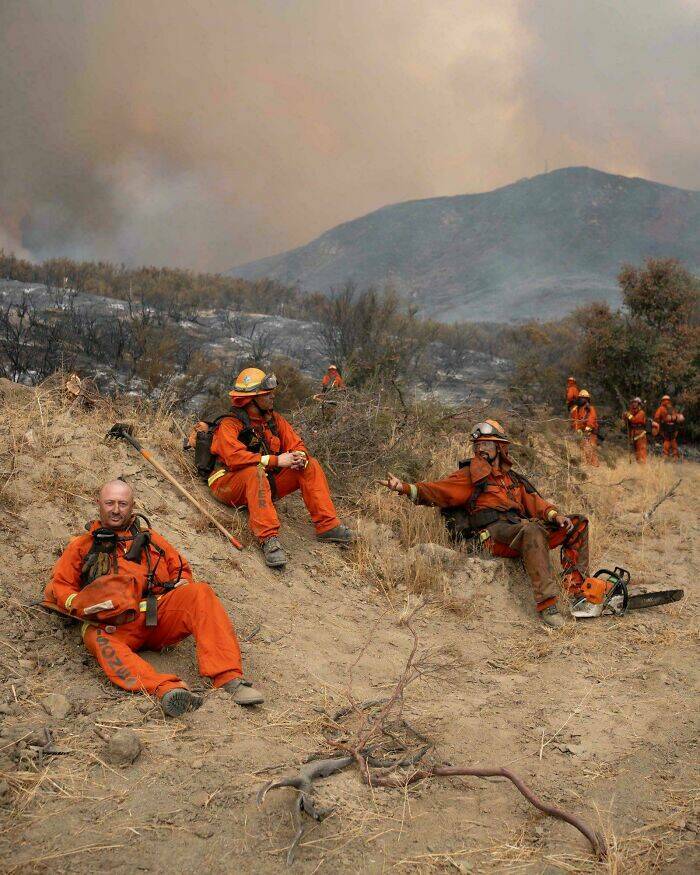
(207, 134)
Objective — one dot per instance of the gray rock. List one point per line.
(203, 830)
(4, 790)
(57, 705)
(123, 748)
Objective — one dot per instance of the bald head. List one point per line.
(115, 502)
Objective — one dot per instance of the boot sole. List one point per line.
(181, 702)
(258, 700)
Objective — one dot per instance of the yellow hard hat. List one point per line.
(489, 430)
(251, 382)
(665, 397)
(584, 393)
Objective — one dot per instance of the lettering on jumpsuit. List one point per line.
(109, 654)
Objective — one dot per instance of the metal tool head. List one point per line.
(120, 431)
(123, 431)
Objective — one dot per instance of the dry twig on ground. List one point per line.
(360, 748)
(661, 499)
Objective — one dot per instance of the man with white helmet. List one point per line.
(486, 499)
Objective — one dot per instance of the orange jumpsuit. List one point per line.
(666, 419)
(572, 391)
(332, 380)
(242, 479)
(190, 609)
(524, 532)
(636, 427)
(585, 420)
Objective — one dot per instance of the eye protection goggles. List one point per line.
(267, 384)
(486, 430)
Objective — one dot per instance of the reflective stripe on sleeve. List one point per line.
(215, 476)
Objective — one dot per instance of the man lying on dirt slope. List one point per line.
(135, 591)
(488, 500)
(260, 458)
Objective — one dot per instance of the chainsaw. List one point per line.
(607, 593)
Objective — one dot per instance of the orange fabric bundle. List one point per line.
(112, 598)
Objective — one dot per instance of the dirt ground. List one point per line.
(600, 717)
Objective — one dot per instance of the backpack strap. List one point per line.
(522, 479)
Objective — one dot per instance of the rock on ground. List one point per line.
(57, 705)
(123, 748)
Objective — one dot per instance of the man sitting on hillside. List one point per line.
(260, 458)
(486, 499)
(134, 591)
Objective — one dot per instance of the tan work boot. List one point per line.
(243, 692)
(274, 554)
(338, 535)
(551, 617)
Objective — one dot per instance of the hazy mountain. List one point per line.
(536, 248)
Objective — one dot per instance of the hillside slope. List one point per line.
(534, 249)
(598, 718)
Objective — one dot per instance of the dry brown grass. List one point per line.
(39, 422)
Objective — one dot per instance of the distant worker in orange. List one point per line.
(259, 458)
(332, 379)
(668, 422)
(486, 499)
(133, 590)
(571, 393)
(584, 421)
(635, 420)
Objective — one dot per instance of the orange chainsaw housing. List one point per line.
(594, 590)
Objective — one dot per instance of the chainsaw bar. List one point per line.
(653, 599)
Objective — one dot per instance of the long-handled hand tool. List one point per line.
(123, 431)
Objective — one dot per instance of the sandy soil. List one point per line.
(600, 717)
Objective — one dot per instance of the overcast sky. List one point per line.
(205, 133)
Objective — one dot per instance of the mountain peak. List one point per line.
(536, 248)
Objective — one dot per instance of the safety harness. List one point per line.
(101, 559)
(210, 467)
(206, 461)
(466, 522)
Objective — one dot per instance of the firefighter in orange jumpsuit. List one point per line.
(668, 423)
(116, 553)
(332, 379)
(635, 420)
(260, 458)
(486, 499)
(584, 421)
(571, 393)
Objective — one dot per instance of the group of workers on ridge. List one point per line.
(132, 590)
(666, 422)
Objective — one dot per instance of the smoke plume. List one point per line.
(208, 133)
